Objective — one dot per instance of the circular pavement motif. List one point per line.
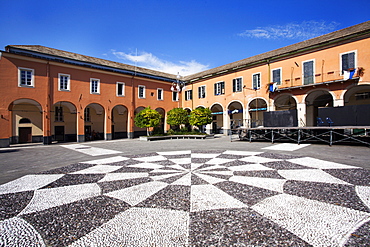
(190, 198)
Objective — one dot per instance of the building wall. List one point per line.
(327, 68)
(45, 94)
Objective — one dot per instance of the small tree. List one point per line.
(200, 116)
(177, 116)
(147, 118)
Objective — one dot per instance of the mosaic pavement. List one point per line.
(190, 198)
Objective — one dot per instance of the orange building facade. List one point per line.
(51, 95)
(298, 81)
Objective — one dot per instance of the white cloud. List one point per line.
(304, 30)
(149, 61)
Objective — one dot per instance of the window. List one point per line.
(175, 96)
(59, 114)
(87, 115)
(201, 92)
(141, 92)
(95, 86)
(276, 76)
(256, 78)
(64, 82)
(120, 89)
(308, 72)
(188, 94)
(348, 61)
(159, 94)
(25, 77)
(220, 88)
(237, 84)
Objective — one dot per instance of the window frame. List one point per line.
(58, 114)
(138, 91)
(187, 94)
(123, 89)
(280, 75)
(87, 114)
(175, 96)
(32, 83)
(219, 88)
(341, 63)
(235, 83)
(257, 87)
(313, 72)
(68, 82)
(97, 87)
(202, 89)
(160, 94)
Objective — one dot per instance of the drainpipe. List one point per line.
(47, 138)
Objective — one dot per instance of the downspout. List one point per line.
(47, 138)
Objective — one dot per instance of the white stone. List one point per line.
(123, 176)
(141, 227)
(138, 193)
(207, 197)
(17, 232)
(318, 223)
(53, 197)
(106, 160)
(98, 169)
(244, 153)
(274, 184)
(310, 175)
(29, 182)
(320, 164)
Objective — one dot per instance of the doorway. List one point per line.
(59, 133)
(25, 134)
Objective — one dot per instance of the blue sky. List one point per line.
(185, 36)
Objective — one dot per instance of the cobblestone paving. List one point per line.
(190, 198)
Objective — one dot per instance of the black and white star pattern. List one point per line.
(190, 198)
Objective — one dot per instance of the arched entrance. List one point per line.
(358, 95)
(27, 121)
(94, 122)
(218, 119)
(256, 108)
(161, 128)
(64, 122)
(139, 131)
(235, 112)
(315, 100)
(285, 102)
(119, 122)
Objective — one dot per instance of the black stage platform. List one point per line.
(330, 135)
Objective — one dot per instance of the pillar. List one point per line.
(130, 124)
(46, 127)
(80, 125)
(301, 114)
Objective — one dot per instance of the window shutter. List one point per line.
(351, 60)
(308, 72)
(199, 92)
(215, 88)
(223, 87)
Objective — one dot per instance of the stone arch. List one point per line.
(357, 95)
(119, 121)
(314, 100)
(218, 118)
(235, 112)
(64, 122)
(161, 127)
(256, 107)
(139, 131)
(94, 115)
(26, 132)
(285, 102)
